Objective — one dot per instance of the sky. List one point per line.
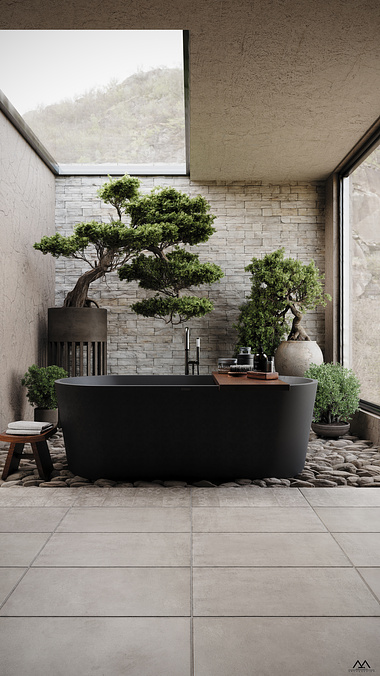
(45, 67)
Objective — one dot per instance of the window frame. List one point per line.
(353, 160)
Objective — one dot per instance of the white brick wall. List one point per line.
(252, 220)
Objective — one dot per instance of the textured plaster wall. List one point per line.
(27, 201)
(252, 219)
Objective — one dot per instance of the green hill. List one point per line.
(140, 120)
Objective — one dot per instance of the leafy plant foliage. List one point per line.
(39, 381)
(167, 219)
(160, 224)
(279, 286)
(103, 246)
(337, 396)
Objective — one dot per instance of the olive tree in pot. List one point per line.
(282, 288)
(337, 398)
(40, 385)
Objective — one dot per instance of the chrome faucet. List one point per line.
(191, 362)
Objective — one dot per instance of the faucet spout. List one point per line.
(195, 362)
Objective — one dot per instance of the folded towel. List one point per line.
(26, 433)
(28, 425)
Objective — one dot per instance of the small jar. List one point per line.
(224, 364)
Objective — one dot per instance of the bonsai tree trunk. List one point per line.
(78, 296)
(297, 331)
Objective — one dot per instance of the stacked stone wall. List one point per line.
(252, 219)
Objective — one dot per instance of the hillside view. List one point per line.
(140, 120)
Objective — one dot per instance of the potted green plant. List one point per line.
(282, 288)
(40, 384)
(337, 398)
(161, 224)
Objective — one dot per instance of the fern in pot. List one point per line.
(337, 398)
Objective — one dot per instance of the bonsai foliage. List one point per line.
(157, 224)
(337, 396)
(103, 246)
(39, 381)
(279, 286)
(164, 220)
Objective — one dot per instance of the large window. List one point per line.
(361, 275)
(100, 97)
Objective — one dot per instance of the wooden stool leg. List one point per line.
(13, 459)
(43, 459)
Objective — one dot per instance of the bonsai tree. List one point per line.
(280, 286)
(158, 224)
(39, 381)
(164, 220)
(337, 396)
(103, 246)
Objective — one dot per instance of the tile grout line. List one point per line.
(27, 568)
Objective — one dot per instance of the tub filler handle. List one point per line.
(191, 362)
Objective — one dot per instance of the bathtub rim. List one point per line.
(206, 380)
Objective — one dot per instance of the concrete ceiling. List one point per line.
(279, 89)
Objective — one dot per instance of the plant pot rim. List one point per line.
(332, 430)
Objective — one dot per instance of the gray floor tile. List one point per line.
(92, 496)
(101, 592)
(19, 549)
(345, 496)
(116, 549)
(372, 578)
(267, 549)
(8, 579)
(281, 592)
(32, 520)
(250, 496)
(350, 519)
(148, 497)
(38, 497)
(363, 549)
(282, 646)
(88, 646)
(255, 520)
(126, 520)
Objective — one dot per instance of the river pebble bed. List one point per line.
(348, 461)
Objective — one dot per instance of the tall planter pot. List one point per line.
(77, 340)
(293, 357)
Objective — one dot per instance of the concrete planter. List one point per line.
(49, 415)
(293, 357)
(330, 430)
(77, 340)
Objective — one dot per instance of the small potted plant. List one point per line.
(282, 288)
(40, 384)
(337, 398)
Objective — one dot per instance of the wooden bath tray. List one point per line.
(224, 380)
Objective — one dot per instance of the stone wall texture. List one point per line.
(27, 199)
(252, 219)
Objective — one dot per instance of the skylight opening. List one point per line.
(100, 99)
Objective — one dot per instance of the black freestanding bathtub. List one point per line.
(184, 427)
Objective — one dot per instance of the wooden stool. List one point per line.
(40, 453)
